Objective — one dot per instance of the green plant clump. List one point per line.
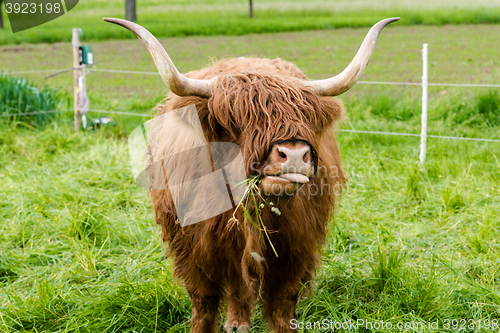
(19, 97)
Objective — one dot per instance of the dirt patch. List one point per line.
(16, 49)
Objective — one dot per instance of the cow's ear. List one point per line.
(331, 111)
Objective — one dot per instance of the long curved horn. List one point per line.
(175, 81)
(344, 81)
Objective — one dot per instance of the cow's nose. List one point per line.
(293, 156)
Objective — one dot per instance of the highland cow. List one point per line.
(284, 125)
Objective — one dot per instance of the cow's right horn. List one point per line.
(175, 81)
(342, 82)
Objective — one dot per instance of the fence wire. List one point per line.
(431, 84)
(11, 115)
(418, 135)
(120, 71)
(338, 130)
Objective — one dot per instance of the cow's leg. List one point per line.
(240, 302)
(205, 312)
(279, 308)
(281, 292)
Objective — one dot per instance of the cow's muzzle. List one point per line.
(289, 165)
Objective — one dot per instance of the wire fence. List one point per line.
(32, 71)
(338, 130)
(418, 135)
(11, 115)
(432, 84)
(118, 71)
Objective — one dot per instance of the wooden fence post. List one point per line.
(1, 18)
(130, 11)
(75, 41)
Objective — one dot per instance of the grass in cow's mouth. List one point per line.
(253, 198)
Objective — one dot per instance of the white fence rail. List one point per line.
(425, 102)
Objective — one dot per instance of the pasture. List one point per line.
(230, 17)
(80, 251)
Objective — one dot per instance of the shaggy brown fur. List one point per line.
(255, 103)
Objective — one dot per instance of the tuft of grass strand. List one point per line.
(253, 197)
(18, 96)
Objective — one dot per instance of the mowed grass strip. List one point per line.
(80, 251)
(223, 17)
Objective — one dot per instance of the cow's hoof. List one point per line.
(236, 327)
(243, 328)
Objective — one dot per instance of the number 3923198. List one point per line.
(32, 8)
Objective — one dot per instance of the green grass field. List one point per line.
(230, 17)
(80, 253)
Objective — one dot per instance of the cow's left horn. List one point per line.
(344, 81)
(175, 81)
